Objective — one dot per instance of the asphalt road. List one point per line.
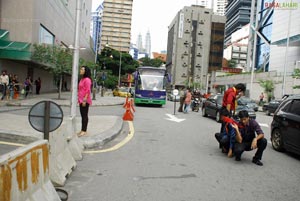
(177, 158)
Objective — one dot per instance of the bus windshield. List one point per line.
(151, 82)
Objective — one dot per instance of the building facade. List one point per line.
(237, 14)
(40, 22)
(237, 49)
(195, 46)
(116, 24)
(285, 43)
(219, 6)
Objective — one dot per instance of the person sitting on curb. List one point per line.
(249, 138)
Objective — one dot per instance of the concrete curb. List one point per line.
(106, 136)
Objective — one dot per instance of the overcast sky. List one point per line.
(155, 16)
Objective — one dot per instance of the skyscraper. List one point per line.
(219, 6)
(116, 24)
(148, 43)
(139, 43)
(238, 15)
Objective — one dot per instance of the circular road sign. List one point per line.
(45, 116)
(175, 92)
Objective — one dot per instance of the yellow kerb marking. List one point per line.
(117, 146)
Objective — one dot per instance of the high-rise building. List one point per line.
(116, 24)
(237, 14)
(219, 6)
(139, 43)
(96, 27)
(148, 43)
(195, 46)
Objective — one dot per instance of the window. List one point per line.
(295, 107)
(45, 36)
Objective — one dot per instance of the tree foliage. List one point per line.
(109, 61)
(269, 87)
(146, 61)
(296, 75)
(232, 63)
(56, 59)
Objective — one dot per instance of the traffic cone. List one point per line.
(128, 115)
(131, 104)
(126, 102)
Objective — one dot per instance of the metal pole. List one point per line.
(286, 54)
(75, 60)
(119, 81)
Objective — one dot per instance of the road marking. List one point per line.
(264, 125)
(117, 146)
(173, 118)
(12, 144)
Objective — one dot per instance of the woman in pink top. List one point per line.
(84, 97)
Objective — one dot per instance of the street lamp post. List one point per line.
(75, 60)
(119, 81)
(120, 64)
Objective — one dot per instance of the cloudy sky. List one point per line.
(155, 16)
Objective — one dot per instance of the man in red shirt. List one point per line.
(231, 95)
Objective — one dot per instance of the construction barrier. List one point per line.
(128, 115)
(62, 162)
(24, 174)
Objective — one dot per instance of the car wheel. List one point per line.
(204, 112)
(276, 140)
(218, 117)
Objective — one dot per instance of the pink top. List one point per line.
(188, 98)
(84, 88)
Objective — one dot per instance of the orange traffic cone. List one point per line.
(128, 115)
(131, 104)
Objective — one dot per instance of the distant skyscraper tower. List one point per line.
(148, 43)
(139, 43)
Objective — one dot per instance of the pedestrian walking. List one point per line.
(187, 100)
(84, 98)
(4, 81)
(261, 98)
(38, 84)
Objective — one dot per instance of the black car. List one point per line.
(212, 106)
(248, 102)
(272, 106)
(285, 127)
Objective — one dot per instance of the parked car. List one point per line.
(249, 102)
(212, 106)
(271, 107)
(285, 127)
(122, 92)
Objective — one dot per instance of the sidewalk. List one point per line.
(16, 128)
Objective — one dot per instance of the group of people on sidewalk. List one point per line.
(235, 137)
(11, 87)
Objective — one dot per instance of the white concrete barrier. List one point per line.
(62, 162)
(24, 174)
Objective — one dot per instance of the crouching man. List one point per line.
(248, 138)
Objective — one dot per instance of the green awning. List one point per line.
(293, 41)
(13, 49)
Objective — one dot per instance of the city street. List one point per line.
(177, 158)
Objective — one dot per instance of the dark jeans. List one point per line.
(223, 141)
(4, 87)
(239, 148)
(84, 116)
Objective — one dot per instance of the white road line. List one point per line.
(264, 125)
